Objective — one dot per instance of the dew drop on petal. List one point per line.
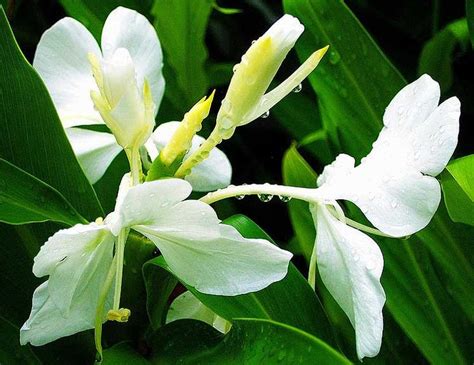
(370, 265)
(236, 66)
(356, 258)
(265, 115)
(239, 197)
(394, 204)
(284, 198)
(298, 88)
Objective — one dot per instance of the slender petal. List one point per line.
(125, 28)
(95, 151)
(61, 60)
(350, 264)
(77, 260)
(213, 173)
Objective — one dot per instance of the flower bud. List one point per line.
(128, 113)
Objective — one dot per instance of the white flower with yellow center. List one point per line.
(85, 271)
(396, 189)
(120, 84)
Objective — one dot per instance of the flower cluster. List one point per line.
(121, 85)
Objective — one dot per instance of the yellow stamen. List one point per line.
(118, 315)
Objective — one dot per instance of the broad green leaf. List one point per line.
(33, 138)
(26, 199)
(290, 301)
(297, 172)
(93, 13)
(437, 55)
(181, 26)
(250, 341)
(458, 189)
(462, 170)
(354, 82)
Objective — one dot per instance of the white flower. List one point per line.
(396, 189)
(212, 257)
(125, 94)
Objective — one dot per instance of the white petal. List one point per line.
(49, 321)
(72, 257)
(417, 131)
(94, 150)
(398, 201)
(213, 173)
(350, 264)
(125, 28)
(61, 60)
(145, 203)
(226, 264)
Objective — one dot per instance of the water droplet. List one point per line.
(265, 197)
(401, 110)
(239, 197)
(254, 41)
(370, 265)
(298, 88)
(441, 128)
(334, 57)
(265, 115)
(284, 198)
(441, 142)
(235, 68)
(356, 258)
(416, 155)
(371, 195)
(394, 204)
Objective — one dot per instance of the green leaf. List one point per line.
(93, 13)
(290, 301)
(437, 55)
(123, 353)
(33, 138)
(250, 341)
(354, 82)
(26, 199)
(462, 170)
(181, 26)
(297, 172)
(458, 189)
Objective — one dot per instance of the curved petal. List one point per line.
(94, 150)
(418, 133)
(223, 264)
(73, 257)
(213, 173)
(398, 201)
(146, 203)
(350, 264)
(61, 60)
(125, 28)
(67, 302)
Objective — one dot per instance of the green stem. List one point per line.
(135, 162)
(99, 315)
(119, 256)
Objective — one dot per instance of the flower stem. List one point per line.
(119, 255)
(100, 306)
(306, 194)
(135, 162)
